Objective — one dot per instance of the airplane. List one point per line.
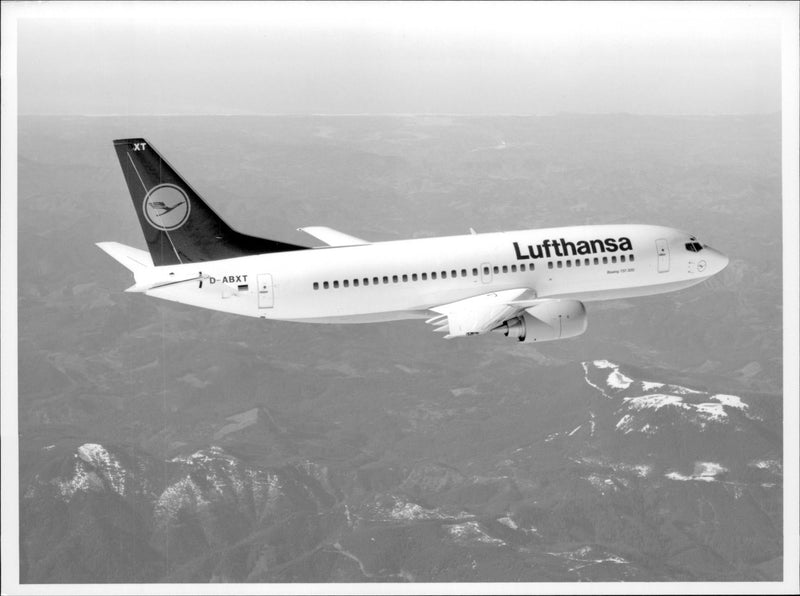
(531, 285)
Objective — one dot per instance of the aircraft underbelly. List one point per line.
(378, 317)
(623, 292)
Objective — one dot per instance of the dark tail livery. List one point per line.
(178, 225)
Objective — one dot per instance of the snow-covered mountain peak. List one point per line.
(704, 471)
(638, 401)
(95, 469)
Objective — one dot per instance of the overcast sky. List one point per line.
(520, 58)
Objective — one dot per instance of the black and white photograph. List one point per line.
(399, 297)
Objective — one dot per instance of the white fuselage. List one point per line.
(338, 284)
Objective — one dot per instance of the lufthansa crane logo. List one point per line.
(166, 207)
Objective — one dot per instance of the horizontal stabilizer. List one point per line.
(141, 264)
(133, 259)
(332, 237)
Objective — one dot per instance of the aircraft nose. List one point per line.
(717, 260)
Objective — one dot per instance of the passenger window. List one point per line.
(596, 261)
(513, 268)
(586, 262)
(496, 269)
(559, 264)
(454, 273)
(549, 264)
(463, 273)
(622, 258)
(414, 277)
(424, 276)
(355, 283)
(486, 271)
(605, 260)
(394, 278)
(336, 284)
(386, 279)
(631, 258)
(405, 277)
(614, 259)
(577, 262)
(444, 274)
(532, 267)
(366, 281)
(316, 285)
(522, 267)
(569, 262)
(505, 268)
(433, 275)
(346, 283)
(475, 271)
(325, 285)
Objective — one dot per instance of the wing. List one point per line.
(481, 314)
(332, 237)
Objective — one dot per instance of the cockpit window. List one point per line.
(694, 246)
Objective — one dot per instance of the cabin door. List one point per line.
(662, 250)
(265, 296)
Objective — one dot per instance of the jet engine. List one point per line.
(552, 319)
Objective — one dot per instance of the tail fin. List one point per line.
(177, 224)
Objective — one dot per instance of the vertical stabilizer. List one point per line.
(178, 225)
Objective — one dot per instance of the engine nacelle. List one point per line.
(550, 320)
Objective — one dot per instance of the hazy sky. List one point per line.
(522, 58)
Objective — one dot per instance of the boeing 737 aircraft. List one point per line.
(528, 284)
